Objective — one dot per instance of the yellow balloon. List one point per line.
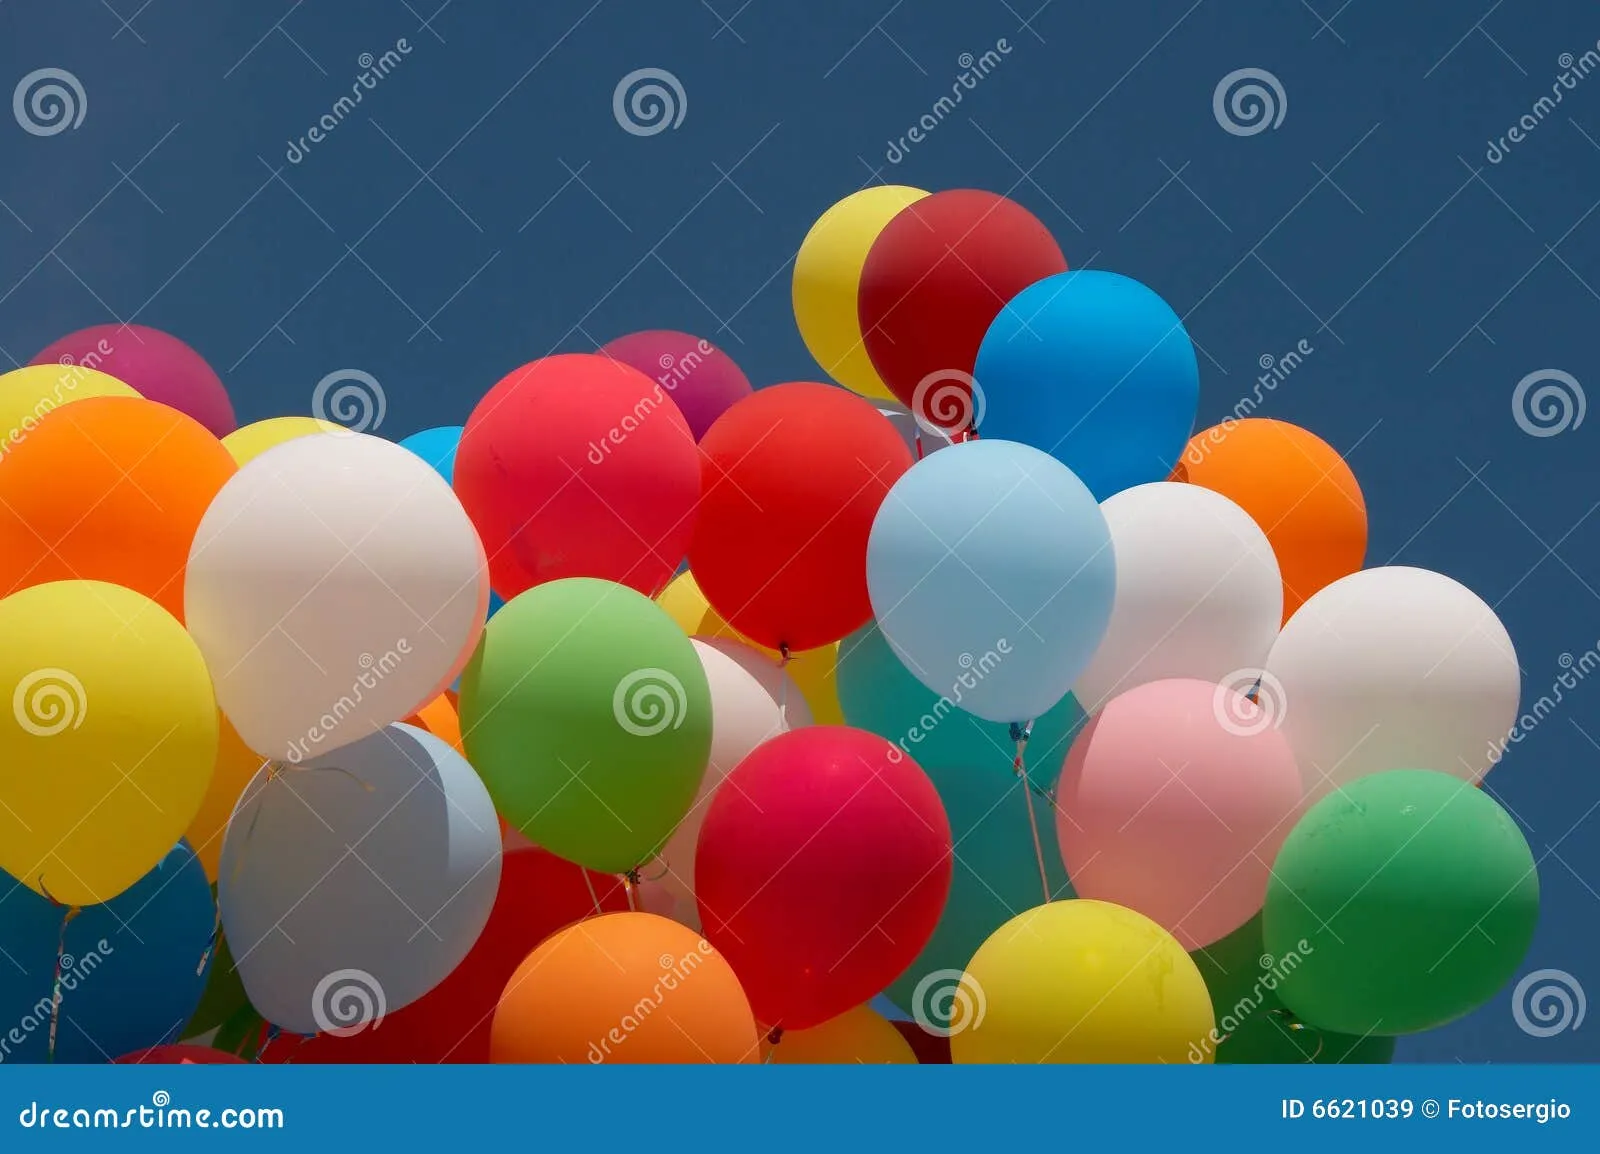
(815, 671)
(109, 743)
(827, 274)
(251, 441)
(28, 394)
(1081, 981)
(860, 1036)
(236, 765)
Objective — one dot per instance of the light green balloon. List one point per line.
(587, 714)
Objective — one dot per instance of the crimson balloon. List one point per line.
(821, 871)
(180, 1055)
(579, 466)
(540, 893)
(793, 477)
(934, 280)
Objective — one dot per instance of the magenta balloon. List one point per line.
(159, 366)
(1173, 802)
(701, 379)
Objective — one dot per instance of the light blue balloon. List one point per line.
(353, 884)
(991, 575)
(994, 877)
(1098, 371)
(131, 968)
(877, 693)
(438, 448)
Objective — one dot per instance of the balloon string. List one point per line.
(784, 657)
(1020, 732)
(593, 896)
(211, 944)
(55, 995)
(274, 771)
(267, 1038)
(773, 1038)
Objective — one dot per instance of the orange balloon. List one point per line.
(236, 765)
(439, 718)
(861, 1036)
(1297, 488)
(624, 988)
(108, 489)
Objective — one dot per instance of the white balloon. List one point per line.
(1198, 595)
(921, 441)
(352, 886)
(1392, 668)
(752, 699)
(335, 584)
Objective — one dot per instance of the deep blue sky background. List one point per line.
(483, 208)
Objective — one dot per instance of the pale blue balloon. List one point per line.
(354, 883)
(991, 575)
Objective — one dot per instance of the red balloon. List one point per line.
(180, 1056)
(539, 894)
(794, 475)
(821, 871)
(933, 281)
(579, 466)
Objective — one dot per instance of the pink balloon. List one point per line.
(701, 379)
(1173, 802)
(159, 366)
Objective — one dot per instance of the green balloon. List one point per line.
(586, 712)
(995, 877)
(1416, 897)
(879, 694)
(1253, 1025)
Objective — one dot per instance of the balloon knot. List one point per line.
(784, 655)
(776, 1035)
(633, 877)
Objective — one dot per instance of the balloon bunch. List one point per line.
(329, 749)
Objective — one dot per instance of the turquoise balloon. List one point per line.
(877, 693)
(996, 877)
(438, 448)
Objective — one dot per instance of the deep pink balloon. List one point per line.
(1173, 802)
(159, 366)
(180, 1055)
(701, 379)
(821, 871)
